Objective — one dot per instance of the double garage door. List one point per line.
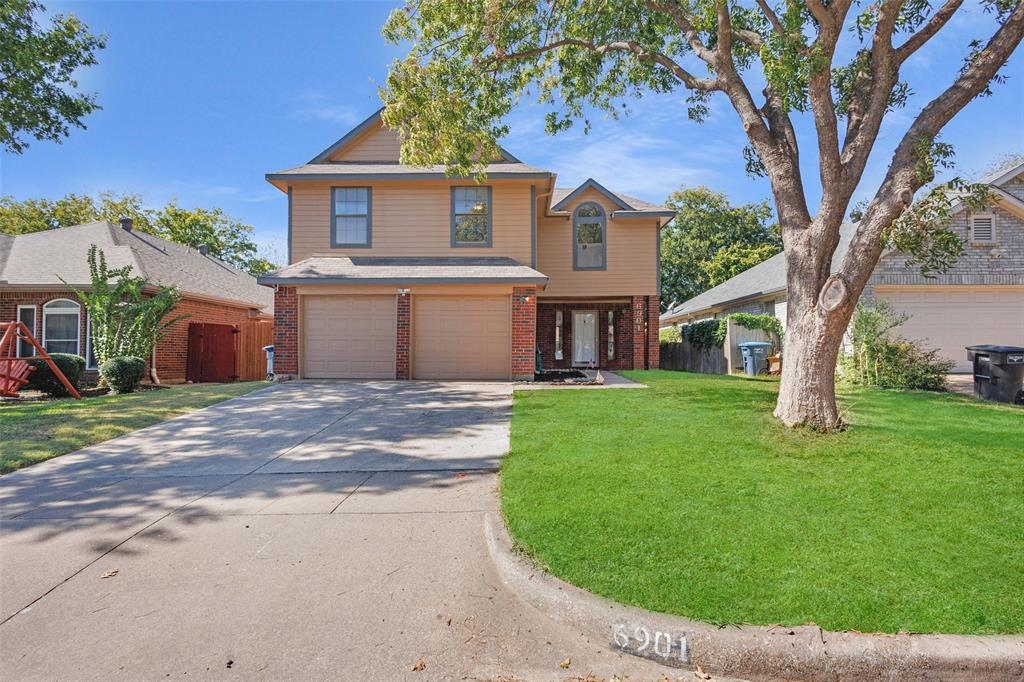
(353, 337)
(951, 319)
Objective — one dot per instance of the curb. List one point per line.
(756, 652)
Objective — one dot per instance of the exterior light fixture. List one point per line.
(403, 292)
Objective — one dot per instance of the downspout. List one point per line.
(152, 367)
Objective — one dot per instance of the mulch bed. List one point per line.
(559, 376)
(33, 396)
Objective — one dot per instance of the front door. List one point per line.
(584, 338)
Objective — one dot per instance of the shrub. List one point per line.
(878, 357)
(43, 379)
(701, 334)
(669, 334)
(123, 374)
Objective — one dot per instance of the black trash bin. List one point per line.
(998, 371)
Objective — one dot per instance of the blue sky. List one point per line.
(201, 99)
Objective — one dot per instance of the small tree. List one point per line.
(125, 320)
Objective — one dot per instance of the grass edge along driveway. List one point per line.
(689, 498)
(36, 431)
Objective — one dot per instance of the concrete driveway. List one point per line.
(309, 530)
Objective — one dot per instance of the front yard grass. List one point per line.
(689, 498)
(32, 432)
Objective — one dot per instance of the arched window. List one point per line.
(61, 326)
(588, 236)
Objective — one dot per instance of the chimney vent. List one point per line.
(126, 224)
(204, 249)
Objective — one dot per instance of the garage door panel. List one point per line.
(349, 337)
(951, 320)
(461, 338)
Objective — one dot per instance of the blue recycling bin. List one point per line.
(755, 356)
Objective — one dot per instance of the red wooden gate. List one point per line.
(211, 352)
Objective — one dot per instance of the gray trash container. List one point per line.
(998, 371)
(269, 350)
(755, 354)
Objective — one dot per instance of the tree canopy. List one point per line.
(225, 237)
(39, 94)
(710, 241)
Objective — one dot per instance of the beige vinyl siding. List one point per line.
(376, 144)
(632, 255)
(411, 218)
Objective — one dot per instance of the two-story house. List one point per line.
(403, 272)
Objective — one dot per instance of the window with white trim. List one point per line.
(27, 315)
(61, 326)
(983, 228)
(558, 335)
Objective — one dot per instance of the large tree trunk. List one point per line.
(818, 311)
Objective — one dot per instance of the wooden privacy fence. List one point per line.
(249, 343)
(685, 357)
(224, 352)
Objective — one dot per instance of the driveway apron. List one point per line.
(306, 531)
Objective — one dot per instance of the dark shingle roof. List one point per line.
(635, 204)
(342, 170)
(381, 270)
(45, 258)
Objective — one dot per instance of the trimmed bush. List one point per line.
(43, 379)
(123, 374)
(879, 357)
(669, 335)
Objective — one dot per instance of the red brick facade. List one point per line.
(653, 327)
(286, 332)
(623, 321)
(524, 332)
(639, 331)
(403, 367)
(171, 351)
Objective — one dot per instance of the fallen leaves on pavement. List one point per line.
(110, 574)
(419, 665)
(564, 665)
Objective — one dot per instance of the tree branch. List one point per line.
(902, 179)
(685, 23)
(934, 24)
(642, 53)
(772, 17)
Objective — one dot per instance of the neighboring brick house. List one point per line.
(979, 300)
(32, 267)
(403, 272)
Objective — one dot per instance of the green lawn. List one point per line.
(31, 432)
(689, 498)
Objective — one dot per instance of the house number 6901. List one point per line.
(649, 643)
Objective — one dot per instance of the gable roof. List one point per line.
(561, 197)
(45, 258)
(768, 276)
(1003, 175)
(370, 121)
(362, 170)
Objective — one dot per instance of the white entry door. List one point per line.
(584, 338)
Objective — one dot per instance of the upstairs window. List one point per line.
(471, 216)
(588, 235)
(983, 228)
(61, 324)
(350, 216)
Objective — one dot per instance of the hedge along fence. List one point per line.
(712, 346)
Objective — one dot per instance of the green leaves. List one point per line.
(38, 92)
(125, 319)
(705, 226)
(226, 238)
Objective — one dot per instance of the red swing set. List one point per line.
(14, 371)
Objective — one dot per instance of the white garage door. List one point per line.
(461, 337)
(951, 319)
(349, 337)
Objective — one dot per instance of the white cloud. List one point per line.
(317, 107)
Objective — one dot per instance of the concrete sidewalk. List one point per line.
(309, 530)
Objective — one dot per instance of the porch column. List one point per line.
(403, 368)
(653, 323)
(639, 331)
(286, 333)
(524, 333)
